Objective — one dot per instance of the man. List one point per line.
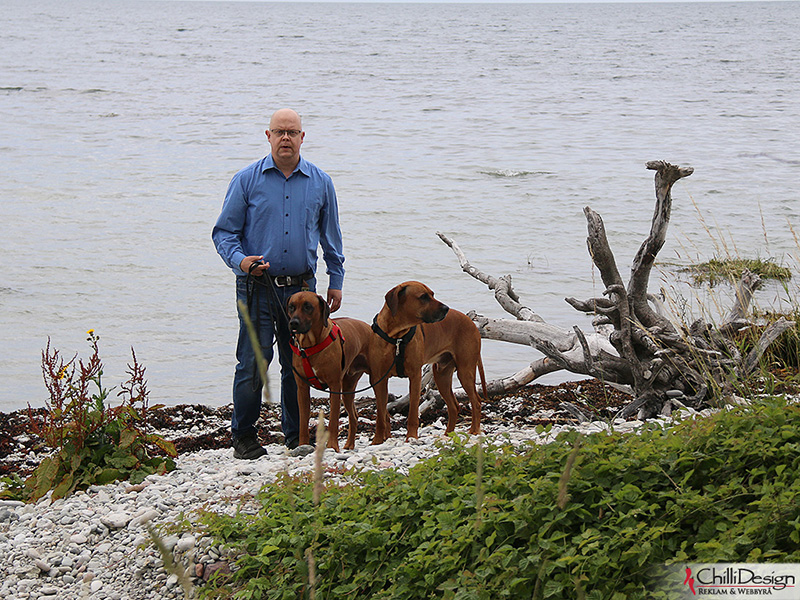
(276, 213)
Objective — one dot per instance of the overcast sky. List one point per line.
(488, 1)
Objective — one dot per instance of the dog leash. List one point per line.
(276, 307)
(399, 352)
(313, 381)
(309, 381)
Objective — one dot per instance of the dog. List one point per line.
(444, 337)
(330, 353)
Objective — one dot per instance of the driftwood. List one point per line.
(634, 344)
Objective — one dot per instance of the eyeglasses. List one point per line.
(292, 133)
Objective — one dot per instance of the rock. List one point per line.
(214, 568)
(145, 517)
(11, 503)
(32, 553)
(301, 451)
(185, 543)
(115, 520)
(170, 542)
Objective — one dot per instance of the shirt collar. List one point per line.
(302, 166)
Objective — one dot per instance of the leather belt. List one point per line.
(289, 280)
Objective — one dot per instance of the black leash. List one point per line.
(372, 385)
(278, 307)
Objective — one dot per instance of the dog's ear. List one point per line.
(394, 296)
(324, 310)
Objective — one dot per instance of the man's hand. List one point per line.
(248, 262)
(334, 299)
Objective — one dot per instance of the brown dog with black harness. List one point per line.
(328, 353)
(413, 329)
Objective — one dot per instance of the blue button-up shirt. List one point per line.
(282, 219)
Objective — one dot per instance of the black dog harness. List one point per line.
(398, 343)
(304, 353)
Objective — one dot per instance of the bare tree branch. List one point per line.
(503, 290)
(666, 362)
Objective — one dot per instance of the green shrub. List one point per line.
(583, 517)
(92, 442)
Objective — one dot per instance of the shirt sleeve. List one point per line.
(227, 232)
(331, 238)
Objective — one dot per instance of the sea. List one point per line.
(122, 122)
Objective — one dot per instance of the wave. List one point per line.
(512, 173)
(785, 161)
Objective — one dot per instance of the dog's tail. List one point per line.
(483, 379)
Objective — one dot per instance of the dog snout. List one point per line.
(442, 312)
(436, 315)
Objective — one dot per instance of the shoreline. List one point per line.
(194, 427)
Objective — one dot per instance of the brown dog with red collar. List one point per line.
(330, 353)
(444, 337)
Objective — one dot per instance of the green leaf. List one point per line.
(166, 446)
(64, 487)
(127, 437)
(106, 476)
(41, 480)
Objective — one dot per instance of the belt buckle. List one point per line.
(288, 280)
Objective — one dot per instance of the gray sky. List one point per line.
(487, 1)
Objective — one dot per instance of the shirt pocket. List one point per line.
(314, 204)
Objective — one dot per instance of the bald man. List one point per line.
(276, 213)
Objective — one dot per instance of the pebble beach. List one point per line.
(95, 543)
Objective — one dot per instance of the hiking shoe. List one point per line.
(247, 447)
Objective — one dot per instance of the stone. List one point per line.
(185, 543)
(301, 451)
(145, 517)
(214, 568)
(11, 503)
(43, 566)
(32, 553)
(78, 538)
(115, 520)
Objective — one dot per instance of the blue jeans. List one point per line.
(247, 385)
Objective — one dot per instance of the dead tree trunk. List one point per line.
(663, 364)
